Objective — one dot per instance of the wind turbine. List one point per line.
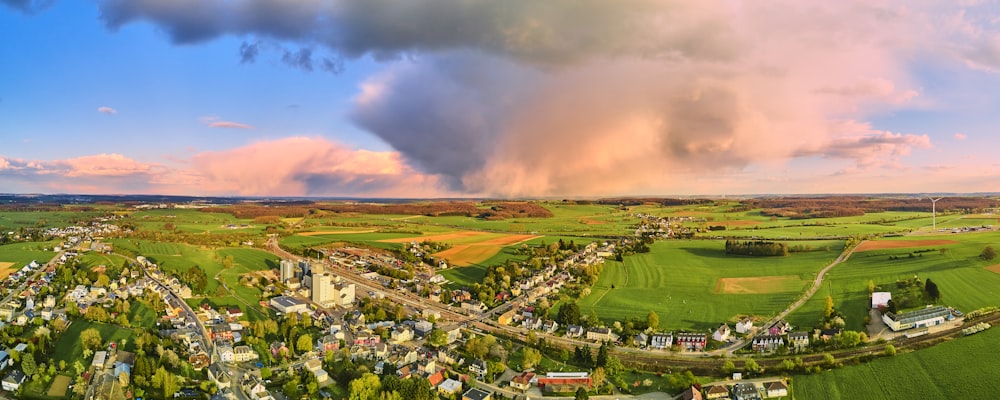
(934, 211)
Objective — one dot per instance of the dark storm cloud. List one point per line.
(27, 6)
(555, 31)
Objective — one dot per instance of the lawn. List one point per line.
(176, 258)
(961, 276)
(23, 253)
(69, 348)
(246, 262)
(679, 280)
(959, 369)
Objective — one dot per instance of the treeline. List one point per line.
(846, 206)
(497, 210)
(756, 248)
(258, 211)
(638, 201)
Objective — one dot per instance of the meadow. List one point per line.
(12, 220)
(685, 283)
(192, 221)
(960, 274)
(20, 254)
(954, 370)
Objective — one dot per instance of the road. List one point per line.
(38, 272)
(817, 283)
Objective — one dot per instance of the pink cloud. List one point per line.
(299, 166)
(960, 136)
(106, 110)
(215, 122)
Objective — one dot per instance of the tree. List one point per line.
(91, 338)
(602, 355)
(787, 365)
(581, 394)
(598, 376)
(871, 286)
(988, 253)
(751, 366)
(437, 337)
(890, 306)
(28, 365)
(828, 359)
(890, 350)
(728, 367)
(304, 343)
(652, 320)
(569, 313)
(531, 357)
(364, 388)
(828, 309)
(931, 289)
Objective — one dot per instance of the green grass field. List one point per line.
(959, 273)
(69, 348)
(176, 258)
(12, 220)
(955, 370)
(195, 221)
(23, 253)
(679, 280)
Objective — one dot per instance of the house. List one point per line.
(449, 387)
(4, 360)
(479, 368)
(506, 318)
(531, 323)
(550, 326)
(401, 334)
(477, 394)
(922, 318)
(640, 340)
(716, 392)
(881, 299)
(600, 334)
(226, 353)
(767, 342)
(745, 391)
(692, 393)
(221, 378)
(779, 328)
(691, 341)
(522, 381)
(798, 340)
(776, 389)
(244, 354)
(744, 325)
(661, 341)
(13, 380)
(234, 312)
(827, 334)
(574, 330)
(721, 334)
(564, 383)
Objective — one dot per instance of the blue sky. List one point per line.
(520, 99)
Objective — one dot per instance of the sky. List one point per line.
(514, 99)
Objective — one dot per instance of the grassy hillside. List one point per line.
(680, 280)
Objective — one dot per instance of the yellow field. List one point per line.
(6, 268)
(59, 386)
(468, 247)
(759, 284)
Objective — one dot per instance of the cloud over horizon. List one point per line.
(524, 98)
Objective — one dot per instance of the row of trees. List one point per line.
(756, 248)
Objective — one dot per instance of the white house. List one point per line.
(881, 299)
(721, 334)
(13, 380)
(744, 325)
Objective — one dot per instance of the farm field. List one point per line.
(20, 254)
(679, 281)
(954, 370)
(963, 279)
(247, 262)
(12, 220)
(194, 221)
(176, 258)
